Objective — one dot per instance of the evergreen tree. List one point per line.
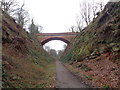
(33, 29)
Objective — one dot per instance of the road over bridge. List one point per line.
(65, 37)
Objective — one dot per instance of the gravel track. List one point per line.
(65, 79)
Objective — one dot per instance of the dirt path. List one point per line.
(65, 79)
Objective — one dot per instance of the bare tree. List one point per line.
(21, 16)
(101, 5)
(88, 11)
(53, 53)
(18, 13)
(72, 29)
(79, 22)
(60, 52)
(94, 8)
(85, 8)
(47, 48)
(9, 6)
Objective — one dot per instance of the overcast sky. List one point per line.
(54, 15)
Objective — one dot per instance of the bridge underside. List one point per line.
(55, 38)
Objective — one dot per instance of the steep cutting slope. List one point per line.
(25, 63)
(95, 53)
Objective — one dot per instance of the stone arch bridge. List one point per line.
(65, 37)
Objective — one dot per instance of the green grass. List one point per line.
(106, 86)
(35, 59)
(88, 77)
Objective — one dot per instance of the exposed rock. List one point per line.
(16, 78)
(98, 47)
(116, 48)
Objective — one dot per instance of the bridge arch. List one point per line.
(65, 37)
(55, 38)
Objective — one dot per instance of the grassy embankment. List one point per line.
(95, 52)
(25, 63)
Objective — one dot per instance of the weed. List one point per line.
(106, 86)
(42, 85)
(34, 53)
(88, 77)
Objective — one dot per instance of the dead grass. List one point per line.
(25, 63)
(103, 72)
(31, 75)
